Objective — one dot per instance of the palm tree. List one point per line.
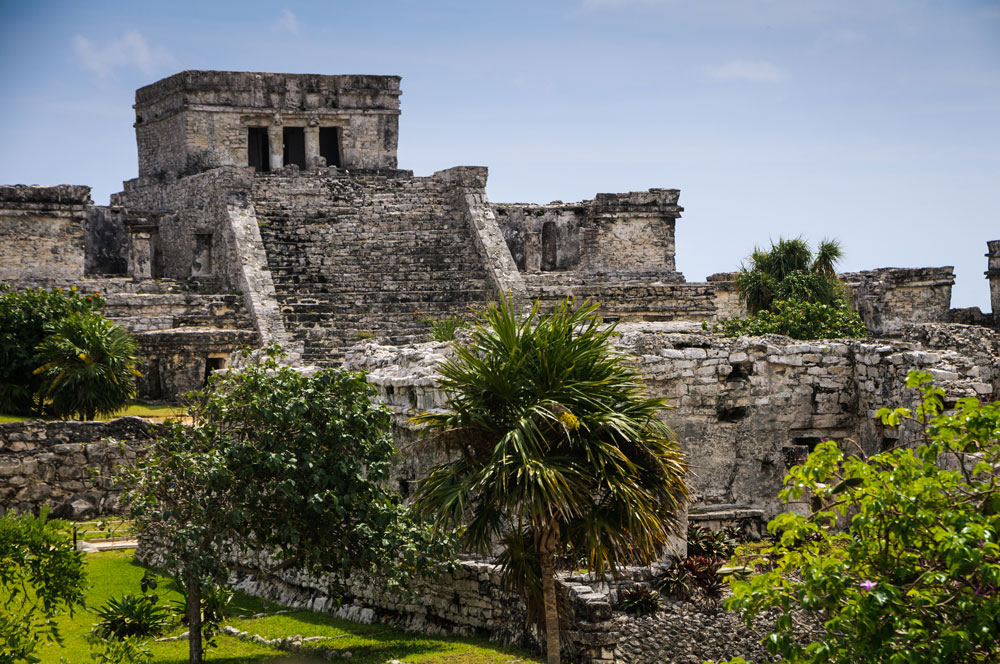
(790, 271)
(88, 366)
(555, 453)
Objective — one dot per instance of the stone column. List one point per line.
(276, 146)
(312, 145)
(993, 274)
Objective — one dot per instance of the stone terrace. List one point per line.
(372, 255)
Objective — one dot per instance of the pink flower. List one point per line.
(867, 585)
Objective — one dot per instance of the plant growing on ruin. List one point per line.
(555, 452)
(789, 270)
(88, 366)
(798, 320)
(41, 576)
(915, 575)
(639, 601)
(24, 315)
(444, 329)
(278, 460)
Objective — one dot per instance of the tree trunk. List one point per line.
(548, 565)
(194, 621)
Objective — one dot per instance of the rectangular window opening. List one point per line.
(329, 145)
(295, 146)
(258, 152)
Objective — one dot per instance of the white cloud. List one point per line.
(286, 23)
(748, 70)
(128, 51)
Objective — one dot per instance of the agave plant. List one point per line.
(88, 366)
(556, 452)
(132, 615)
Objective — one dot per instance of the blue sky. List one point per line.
(876, 122)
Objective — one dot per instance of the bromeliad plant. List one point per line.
(556, 452)
(915, 576)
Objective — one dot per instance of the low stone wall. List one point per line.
(467, 600)
(67, 466)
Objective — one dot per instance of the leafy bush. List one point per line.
(131, 615)
(799, 320)
(88, 366)
(639, 601)
(41, 576)
(444, 329)
(915, 576)
(24, 315)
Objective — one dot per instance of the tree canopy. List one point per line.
(279, 460)
(41, 576)
(556, 452)
(915, 574)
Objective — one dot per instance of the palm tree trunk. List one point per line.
(548, 565)
(194, 621)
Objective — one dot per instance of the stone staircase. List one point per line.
(366, 257)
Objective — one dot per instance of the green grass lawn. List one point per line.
(115, 573)
(137, 409)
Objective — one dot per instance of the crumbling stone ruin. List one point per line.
(269, 208)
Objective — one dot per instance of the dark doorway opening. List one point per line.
(258, 154)
(154, 389)
(295, 146)
(329, 145)
(550, 246)
(213, 364)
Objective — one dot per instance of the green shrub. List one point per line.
(132, 615)
(639, 601)
(41, 576)
(799, 320)
(24, 315)
(915, 574)
(444, 329)
(88, 366)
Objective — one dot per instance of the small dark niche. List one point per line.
(730, 414)
(807, 441)
(741, 371)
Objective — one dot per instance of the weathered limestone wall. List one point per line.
(42, 231)
(617, 249)
(745, 410)
(379, 255)
(614, 233)
(196, 120)
(66, 466)
(888, 299)
(727, 299)
(993, 274)
(207, 230)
